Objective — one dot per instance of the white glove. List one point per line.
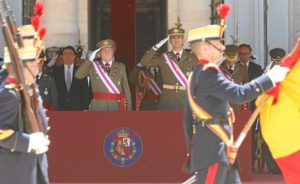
(52, 61)
(277, 73)
(38, 143)
(159, 44)
(93, 54)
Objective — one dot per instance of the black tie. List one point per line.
(107, 67)
(178, 56)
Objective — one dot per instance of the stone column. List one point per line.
(192, 13)
(61, 20)
(294, 19)
(246, 24)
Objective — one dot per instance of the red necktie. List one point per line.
(107, 67)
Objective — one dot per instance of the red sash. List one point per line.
(110, 96)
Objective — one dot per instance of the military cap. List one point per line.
(231, 50)
(204, 33)
(106, 43)
(277, 53)
(177, 30)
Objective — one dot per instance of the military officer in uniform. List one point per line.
(108, 79)
(234, 71)
(148, 85)
(175, 66)
(206, 124)
(276, 58)
(22, 151)
(46, 85)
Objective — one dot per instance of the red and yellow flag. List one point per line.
(280, 116)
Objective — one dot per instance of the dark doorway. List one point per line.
(150, 23)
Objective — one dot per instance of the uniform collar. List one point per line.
(202, 62)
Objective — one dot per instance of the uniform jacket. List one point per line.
(213, 91)
(147, 103)
(78, 97)
(254, 71)
(239, 76)
(48, 91)
(16, 164)
(118, 76)
(170, 99)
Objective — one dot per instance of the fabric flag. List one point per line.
(280, 118)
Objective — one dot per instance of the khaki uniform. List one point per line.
(171, 99)
(150, 100)
(119, 78)
(239, 76)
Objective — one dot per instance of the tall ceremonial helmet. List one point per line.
(32, 45)
(177, 30)
(32, 37)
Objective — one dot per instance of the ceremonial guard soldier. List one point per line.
(23, 123)
(175, 66)
(108, 79)
(206, 123)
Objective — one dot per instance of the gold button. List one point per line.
(257, 89)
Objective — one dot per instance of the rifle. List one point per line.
(18, 68)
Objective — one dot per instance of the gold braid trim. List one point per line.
(4, 134)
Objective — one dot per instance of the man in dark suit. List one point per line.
(73, 94)
(254, 70)
(206, 123)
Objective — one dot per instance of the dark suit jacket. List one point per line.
(213, 91)
(78, 98)
(254, 70)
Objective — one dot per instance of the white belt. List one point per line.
(173, 87)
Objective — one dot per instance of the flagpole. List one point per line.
(250, 122)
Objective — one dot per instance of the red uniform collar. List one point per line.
(202, 62)
(10, 80)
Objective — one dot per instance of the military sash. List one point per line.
(112, 88)
(175, 70)
(200, 113)
(152, 84)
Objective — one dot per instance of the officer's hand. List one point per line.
(52, 61)
(159, 44)
(38, 143)
(277, 73)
